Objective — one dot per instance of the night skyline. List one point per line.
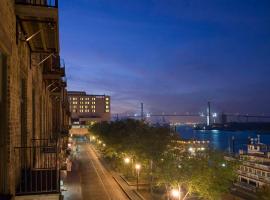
(172, 55)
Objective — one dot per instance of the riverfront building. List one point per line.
(254, 171)
(87, 109)
(33, 101)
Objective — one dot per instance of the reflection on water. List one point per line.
(222, 139)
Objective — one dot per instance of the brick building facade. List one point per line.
(34, 109)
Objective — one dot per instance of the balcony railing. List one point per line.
(37, 169)
(43, 3)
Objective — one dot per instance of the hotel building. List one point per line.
(87, 109)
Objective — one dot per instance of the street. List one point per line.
(89, 180)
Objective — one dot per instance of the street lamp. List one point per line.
(176, 194)
(127, 160)
(138, 167)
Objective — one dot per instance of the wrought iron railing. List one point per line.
(44, 3)
(37, 169)
(54, 65)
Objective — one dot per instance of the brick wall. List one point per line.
(19, 66)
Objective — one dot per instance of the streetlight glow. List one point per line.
(137, 166)
(175, 193)
(190, 149)
(127, 160)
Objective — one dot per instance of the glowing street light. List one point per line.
(93, 138)
(175, 193)
(138, 168)
(191, 149)
(127, 160)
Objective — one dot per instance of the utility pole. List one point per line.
(141, 111)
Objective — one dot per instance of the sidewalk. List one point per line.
(72, 182)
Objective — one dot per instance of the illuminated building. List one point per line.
(87, 109)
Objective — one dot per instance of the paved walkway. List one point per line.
(89, 180)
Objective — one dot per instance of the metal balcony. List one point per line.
(37, 24)
(37, 169)
(45, 3)
(54, 69)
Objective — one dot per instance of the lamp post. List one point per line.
(176, 193)
(138, 167)
(127, 160)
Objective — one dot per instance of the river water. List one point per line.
(222, 140)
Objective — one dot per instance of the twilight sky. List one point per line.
(173, 55)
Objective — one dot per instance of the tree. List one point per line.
(264, 193)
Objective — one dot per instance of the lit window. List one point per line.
(86, 106)
(107, 106)
(107, 98)
(74, 102)
(93, 98)
(81, 98)
(107, 102)
(93, 110)
(75, 99)
(74, 110)
(107, 111)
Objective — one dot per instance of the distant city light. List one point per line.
(223, 165)
(214, 114)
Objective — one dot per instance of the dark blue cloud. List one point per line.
(173, 55)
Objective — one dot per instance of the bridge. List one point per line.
(209, 116)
